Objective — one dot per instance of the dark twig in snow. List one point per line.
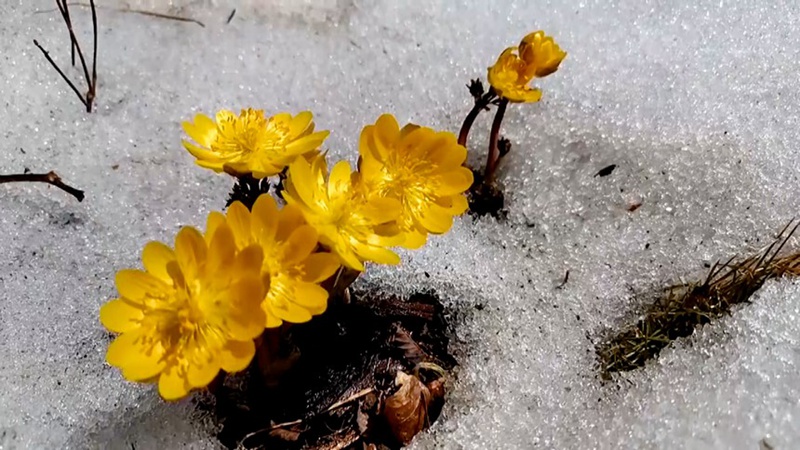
(231, 16)
(60, 72)
(65, 14)
(135, 11)
(49, 178)
(91, 81)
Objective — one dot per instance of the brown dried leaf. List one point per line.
(406, 344)
(406, 410)
(286, 435)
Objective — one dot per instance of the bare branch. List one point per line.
(49, 178)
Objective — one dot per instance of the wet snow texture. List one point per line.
(697, 103)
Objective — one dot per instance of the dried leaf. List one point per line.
(286, 435)
(405, 343)
(406, 410)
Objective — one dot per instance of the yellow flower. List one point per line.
(292, 268)
(251, 143)
(419, 167)
(537, 56)
(354, 228)
(188, 314)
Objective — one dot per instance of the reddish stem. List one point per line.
(480, 105)
(494, 152)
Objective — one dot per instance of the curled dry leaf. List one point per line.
(406, 410)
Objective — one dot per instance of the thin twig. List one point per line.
(93, 86)
(331, 408)
(350, 399)
(64, 8)
(49, 177)
(74, 41)
(91, 82)
(134, 11)
(58, 69)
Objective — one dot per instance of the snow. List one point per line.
(696, 102)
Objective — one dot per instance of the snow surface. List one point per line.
(697, 102)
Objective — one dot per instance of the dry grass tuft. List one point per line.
(680, 309)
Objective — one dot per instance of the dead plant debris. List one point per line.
(486, 198)
(370, 371)
(680, 309)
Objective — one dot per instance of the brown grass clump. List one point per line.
(681, 308)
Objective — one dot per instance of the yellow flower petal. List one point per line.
(201, 153)
(120, 316)
(273, 321)
(264, 218)
(214, 220)
(248, 260)
(301, 124)
(347, 254)
(287, 310)
(381, 210)
(222, 249)
(299, 246)
(387, 130)
(318, 267)
(377, 254)
(190, 251)
(448, 155)
(246, 323)
(203, 370)
(238, 218)
(454, 182)
(415, 239)
(136, 286)
(135, 351)
(155, 257)
(311, 297)
(302, 181)
(172, 385)
(435, 220)
(203, 130)
(236, 355)
(289, 219)
(339, 181)
(306, 144)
